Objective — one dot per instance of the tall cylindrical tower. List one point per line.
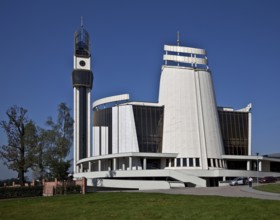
(82, 79)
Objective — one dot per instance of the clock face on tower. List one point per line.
(82, 63)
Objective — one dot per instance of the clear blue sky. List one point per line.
(127, 38)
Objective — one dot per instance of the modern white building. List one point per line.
(182, 140)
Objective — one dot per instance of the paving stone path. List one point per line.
(227, 191)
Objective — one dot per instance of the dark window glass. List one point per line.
(235, 132)
(184, 162)
(209, 162)
(274, 166)
(149, 127)
(172, 162)
(82, 43)
(191, 162)
(197, 162)
(167, 163)
(153, 164)
(178, 164)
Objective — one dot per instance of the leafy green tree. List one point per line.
(57, 141)
(21, 132)
(40, 167)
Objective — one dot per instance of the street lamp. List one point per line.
(257, 168)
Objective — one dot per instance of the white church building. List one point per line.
(183, 140)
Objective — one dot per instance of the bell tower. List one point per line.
(82, 80)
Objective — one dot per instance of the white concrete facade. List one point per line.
(191, 125)
(191, 152)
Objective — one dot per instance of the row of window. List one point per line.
(194, 162)
(218, 163)
(183, 162)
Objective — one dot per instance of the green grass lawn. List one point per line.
(274, 188)
(138, 206)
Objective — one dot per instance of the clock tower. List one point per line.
(82, 79)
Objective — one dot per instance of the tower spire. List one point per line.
(82, 21)
(178, 38)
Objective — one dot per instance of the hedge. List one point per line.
(20, 192)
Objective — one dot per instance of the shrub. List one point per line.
(20, 192)
(68, 189)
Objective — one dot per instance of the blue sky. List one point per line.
(127, 38)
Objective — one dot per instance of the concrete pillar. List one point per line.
(109, 165)
(248, 165)
(89, 166)
(211, 162)
(260, 165)
(224, 164)
(81, 168)
(224, 178)
(130, 163)
(115, 164)
(99, 165)
(145, 163)
(77, 168)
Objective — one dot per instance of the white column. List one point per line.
(249, 134)
(77, 124)
(145, 163)
(260, 165)
(212, 163)
(81, 168)
(89, 166)
(130, 163)
(74, 134)
(99, 165)
(88, 124)
(248, 165)
(114, 163)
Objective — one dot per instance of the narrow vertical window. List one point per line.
(197, 162)
(191, 162)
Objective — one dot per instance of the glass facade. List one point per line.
(235, 131)
(149, 128)
(82, 43)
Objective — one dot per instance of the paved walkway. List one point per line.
(227, 191)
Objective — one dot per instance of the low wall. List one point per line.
(50, 187)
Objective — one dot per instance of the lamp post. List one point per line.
(257, 168)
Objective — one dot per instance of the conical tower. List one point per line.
(191, 123)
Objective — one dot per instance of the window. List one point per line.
(197, 162)
(167, 163)
(149, 127)
(178, 164)
(209, 162)
(184, 162)
(172, 162)
(235, 132)
(191, 162)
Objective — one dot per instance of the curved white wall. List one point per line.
(191, 126)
